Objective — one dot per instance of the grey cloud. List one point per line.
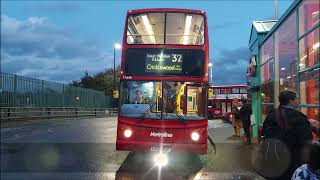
(34, 47)
(36, 35)
(231, 67)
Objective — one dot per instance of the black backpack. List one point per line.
(273, 159)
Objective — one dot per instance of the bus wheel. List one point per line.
(210, 116)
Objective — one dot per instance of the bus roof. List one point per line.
(229, 86)
(137, 11)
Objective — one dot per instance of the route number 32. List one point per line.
(177, 58)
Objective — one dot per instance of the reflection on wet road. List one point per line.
(140, 166)
(85, 149)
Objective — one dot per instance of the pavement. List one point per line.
(85, 149)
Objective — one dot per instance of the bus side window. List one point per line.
(218, 105)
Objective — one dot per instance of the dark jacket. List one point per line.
(296, 133)
(245, 113)
(298, 127)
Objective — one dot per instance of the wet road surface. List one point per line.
(85, 149)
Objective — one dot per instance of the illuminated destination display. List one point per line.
(164, 63)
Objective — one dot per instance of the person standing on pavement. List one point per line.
(245, 113)
(295, 131)
(236, 117)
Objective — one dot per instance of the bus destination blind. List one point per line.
(161, 62)
(164, 62)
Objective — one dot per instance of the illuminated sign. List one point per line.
(164, 62)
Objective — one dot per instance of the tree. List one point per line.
(102, 81)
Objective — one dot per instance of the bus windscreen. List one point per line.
(164, 62)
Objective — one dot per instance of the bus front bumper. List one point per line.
(195, 148)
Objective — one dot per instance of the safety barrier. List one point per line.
(26, 113)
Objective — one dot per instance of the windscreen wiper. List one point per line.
(181, 118)
(142, 116)
(178, 115)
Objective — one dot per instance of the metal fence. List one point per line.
(20, 91)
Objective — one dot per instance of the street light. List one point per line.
(210, 80)
(115, 46)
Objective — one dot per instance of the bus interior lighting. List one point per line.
(187, 29)
(161, 159)
(127, 133)
(148, 28)
(195, 136)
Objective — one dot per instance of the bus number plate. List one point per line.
(157, 149)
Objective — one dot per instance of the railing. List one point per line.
(27, 113)
(20, 91)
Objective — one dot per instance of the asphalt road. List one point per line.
(85, 149)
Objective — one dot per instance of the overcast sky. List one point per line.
(59, 40)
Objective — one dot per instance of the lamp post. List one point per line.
(115, 46)
(210, 75)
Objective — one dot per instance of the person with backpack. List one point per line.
(284, 134)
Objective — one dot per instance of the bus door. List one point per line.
(194, 100)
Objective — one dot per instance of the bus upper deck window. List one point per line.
(166, 28)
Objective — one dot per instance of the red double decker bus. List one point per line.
(220, 102)
(164, 81)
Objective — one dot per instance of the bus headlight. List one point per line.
(160, 159)
(195, 136)
(127, 133)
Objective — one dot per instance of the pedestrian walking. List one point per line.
(245, 113)
(284, 134)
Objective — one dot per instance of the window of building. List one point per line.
(286, 43)
(309, 15)
(267, 71)
(267, 98)
(309, 87)
(312, 113)
(266, 52)
(309, 50)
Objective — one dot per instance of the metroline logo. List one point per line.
(159, 134)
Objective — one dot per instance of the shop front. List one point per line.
(286, 54)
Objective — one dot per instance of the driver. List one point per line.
(139, 98)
